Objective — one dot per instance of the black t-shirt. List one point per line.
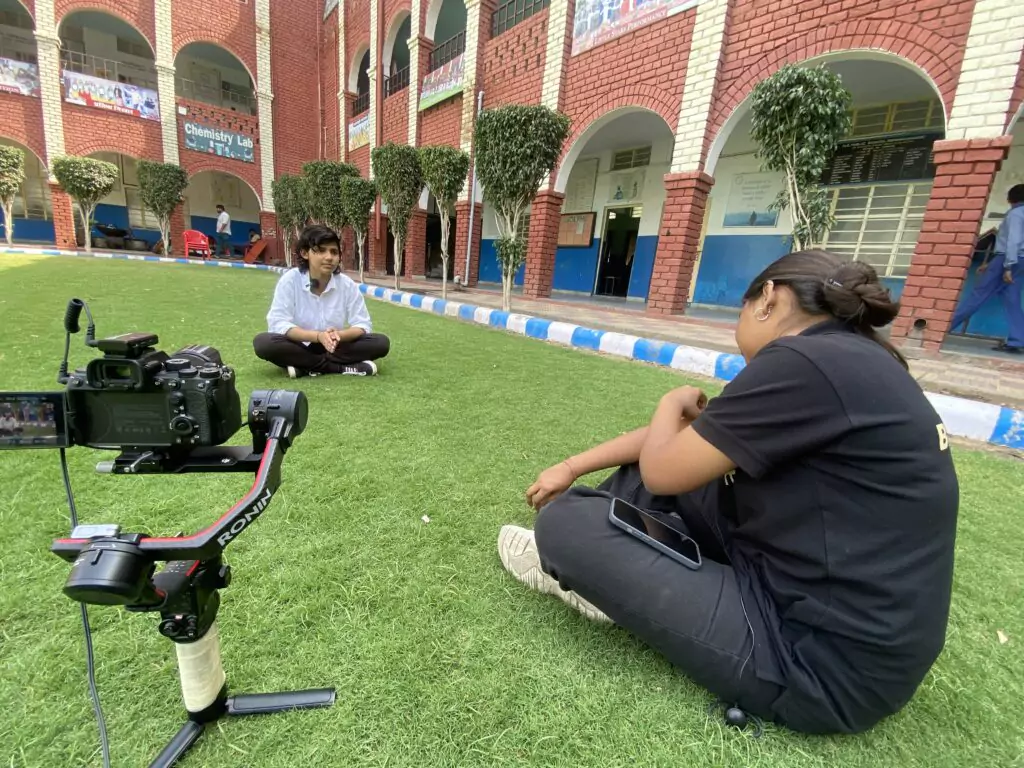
(843, 518)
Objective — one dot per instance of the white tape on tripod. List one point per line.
(201, 671)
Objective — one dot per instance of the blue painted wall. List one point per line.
(990, 320)
(239, 229)
(490, 269)
(117, 216)
(29, 230)
(643, 266)
(576, 268)
(730, 262)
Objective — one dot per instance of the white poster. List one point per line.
(626, 186)
(750, 194)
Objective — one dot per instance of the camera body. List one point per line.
(136, 395)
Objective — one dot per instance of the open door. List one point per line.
(618, 246)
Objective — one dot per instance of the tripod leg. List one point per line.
(268, 703)
(179, 745)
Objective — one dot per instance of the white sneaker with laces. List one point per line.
(518, 552)
(365, 368)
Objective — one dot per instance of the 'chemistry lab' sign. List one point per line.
(218, 141)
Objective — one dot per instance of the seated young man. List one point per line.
(318, 321)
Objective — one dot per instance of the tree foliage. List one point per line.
(323, 190)
(444, 172)
(799, 115)
(516, 147)
(357, 198)
(162, 188)
(88, 181)
(292, 207)
(12, 175)
(396, 169)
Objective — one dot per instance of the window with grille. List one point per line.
(878, 224)
(624, 159)
(896, 118)
(133, 49)
(138, 216)
(33, 198)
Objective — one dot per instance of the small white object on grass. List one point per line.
(1003, 637)
(425, 519)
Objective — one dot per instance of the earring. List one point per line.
(765, 314)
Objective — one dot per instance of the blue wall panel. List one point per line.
(576, 268)
(117, 216)
(643, 266)
(239, 229)
(490, 269)
(730, 262)
(30, 230)
(990, 320)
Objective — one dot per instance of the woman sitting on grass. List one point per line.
(821, 491)
(318, 321)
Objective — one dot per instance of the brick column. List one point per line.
(964, 171)
(377, 258)
(178, 226)
(461, 225)
(64, 214)
(346, 117)
(416, 244)
(268, 230)
(349, 259)
(686, 195)
(419, 60)
(545, 215)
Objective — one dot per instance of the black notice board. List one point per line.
(881, 159)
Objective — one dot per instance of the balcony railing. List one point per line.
(107, 69)
(362, 104)
(447, 51)
(512, 12)
(396, 82)
(237, 101)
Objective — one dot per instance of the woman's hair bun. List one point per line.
(854, 295)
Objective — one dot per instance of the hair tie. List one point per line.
(833, 283)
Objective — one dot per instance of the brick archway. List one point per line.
(185, 39)
(139, 16)
(136, 138)
(620, 101)
(25, 128)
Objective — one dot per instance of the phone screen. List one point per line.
(32, 420)
(653, 527)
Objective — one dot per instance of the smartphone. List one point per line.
(32, 420)
(655, 533)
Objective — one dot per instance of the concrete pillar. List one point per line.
(165, 80)
(462, 235)
(418, 51)
(375, 86)
(343, 102)
(264, 102)
(545, 215)
(51, 97)
(686, 195)
(416, 244)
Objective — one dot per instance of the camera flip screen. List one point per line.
(32, 420)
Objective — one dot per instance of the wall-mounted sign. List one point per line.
(750, 196)
(98, 93)
(576, 230)
(19, 77)
(882, 159)
(626, 186)
(359, 132)
(442, 83)
(218, 141)
(598, 21)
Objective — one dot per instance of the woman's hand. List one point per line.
(550, 484)
(689, 401)
(328, 339)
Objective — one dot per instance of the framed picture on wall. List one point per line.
(576, 230)
(750, 196)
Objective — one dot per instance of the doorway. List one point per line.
(621, 229)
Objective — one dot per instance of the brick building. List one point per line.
(658, 199)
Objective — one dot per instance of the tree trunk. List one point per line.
(86, 218)
(507, 280)
(360, 243)
(399, 246)
(9, 220)
(165, 234)
(445, 224)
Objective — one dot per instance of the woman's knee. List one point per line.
(263, 345)
(564, 527)
(381, 345)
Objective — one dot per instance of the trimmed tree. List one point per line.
(444, 172)
(798, 117)
(396, 169)
(323, 190)
(12, 175)
(88, 181)
(162, 186)
(290, 203)
(516, 147)
(357, 198)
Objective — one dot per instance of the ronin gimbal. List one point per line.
(114, 568)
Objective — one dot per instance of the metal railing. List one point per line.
(106, 69)
(219, 97)
(397, 82)
(446, 51)
(512, 12)
(361, 105)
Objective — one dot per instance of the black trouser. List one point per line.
(278, 349)
(695, 619)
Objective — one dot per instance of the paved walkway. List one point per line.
(967, 369)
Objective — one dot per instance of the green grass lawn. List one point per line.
(439, 657)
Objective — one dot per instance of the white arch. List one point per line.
(355, 66)
(562, 180)
(215, 44)
(259, 201)
(63, 19)
(433, 12)
(390, 40)
(850, 54)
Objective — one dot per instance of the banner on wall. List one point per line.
(442, 83)
(123, 98)
(359, 132)
(598, 21)
(750, 196)
(19, 77)
(218, 141)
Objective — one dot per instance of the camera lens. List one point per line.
(268, 404)
(111, 572)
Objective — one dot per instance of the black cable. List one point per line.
(90, 661)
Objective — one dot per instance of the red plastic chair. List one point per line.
(196, 242)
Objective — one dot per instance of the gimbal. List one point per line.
(114, 568)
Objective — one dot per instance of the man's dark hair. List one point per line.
(1016, 194)
(220, 207)
(825, 284)
(315, 236)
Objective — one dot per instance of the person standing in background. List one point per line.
(223, 231)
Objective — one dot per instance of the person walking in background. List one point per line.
(223, 231)
(1003, 276)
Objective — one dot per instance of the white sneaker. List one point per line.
(365, 368)
(518, 552)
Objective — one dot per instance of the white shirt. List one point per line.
(224, 223)
(340, 306)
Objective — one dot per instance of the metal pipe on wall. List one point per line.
(472, 193)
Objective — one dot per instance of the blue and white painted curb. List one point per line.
(963, 417)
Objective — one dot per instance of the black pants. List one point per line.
(280, 350)
(695, 619)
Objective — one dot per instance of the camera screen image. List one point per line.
(32, 420)
(113, 419)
